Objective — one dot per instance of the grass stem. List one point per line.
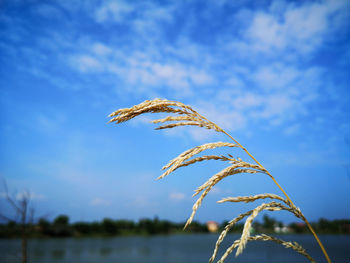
(188, 116)
(286, 195)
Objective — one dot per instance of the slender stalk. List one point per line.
(194, 118)
(289, 200)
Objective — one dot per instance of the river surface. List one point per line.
(186, 248)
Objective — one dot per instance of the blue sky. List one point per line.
(274, 74)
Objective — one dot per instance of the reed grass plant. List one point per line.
(184, 115)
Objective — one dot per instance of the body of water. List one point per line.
(196, 248)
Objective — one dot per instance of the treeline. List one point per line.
(323, 226)
(61, 227)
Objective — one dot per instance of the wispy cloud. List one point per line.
(100, 202)
(113, 10)
(177, 196)
(280, 67)
(27, 195)
(291, 129)
(30, 195)
(300, 28)
(86, 63)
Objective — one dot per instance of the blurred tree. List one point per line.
(147, 225)
(44, 226)
(197, 227)
(61, 227)
(125, 225)
(95, 227)
(82, 228)
(24, 215)
(61, 220)
(268, 223)
(109, 226)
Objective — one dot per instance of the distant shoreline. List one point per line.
(60, 228)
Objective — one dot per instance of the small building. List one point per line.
(212, 226)
(282, 229)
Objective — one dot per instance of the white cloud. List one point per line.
(300, 27)
(101, 50)
(154, 12)
(176, 76)
(113, 10)
(176, 196)
(266, 32)
(142, 120)
(291, 129)
(281, 93)
(29, 195)
(216, 190)
(145, 19)
(145, 71)
(147, 57)
(234, 82)
(100, 202)
(86, 63)
(247, 106)
(173, 75)
(278, 6)
(276, 105)
(147, 64)
(247, 100)
(152, 20)
(201, 78)
(223, 115)
(276, 76)
(199, 134)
